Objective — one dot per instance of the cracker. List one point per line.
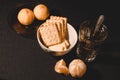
(63, 22)
(59, 47)
(58, 24)
(49, 34)
(54, 33)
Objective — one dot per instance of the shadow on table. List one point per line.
(92, 74)
(110, 54)
(108, 59)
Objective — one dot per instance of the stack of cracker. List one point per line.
(54, 33)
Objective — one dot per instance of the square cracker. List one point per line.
(63, 21)
(49, 34)
(59, 25)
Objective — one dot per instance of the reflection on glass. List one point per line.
(88, 42)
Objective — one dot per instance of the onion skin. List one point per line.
(77, 68)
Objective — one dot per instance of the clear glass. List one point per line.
(88, 42)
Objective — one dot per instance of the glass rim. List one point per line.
(96, 41)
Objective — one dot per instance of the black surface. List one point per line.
(21, 58)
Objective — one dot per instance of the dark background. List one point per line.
(21, 58)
